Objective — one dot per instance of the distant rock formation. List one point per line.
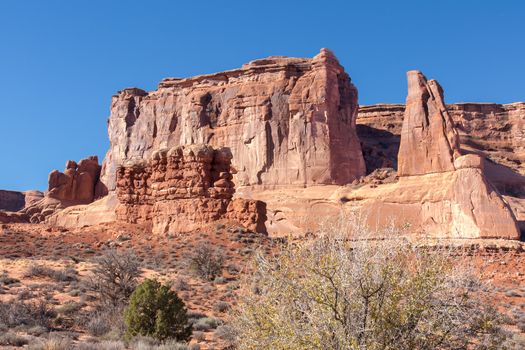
(183, 188)
(15, 201)
(11, 200)
(76, 185)
(494, 131)
(287, 121)
(440, 192)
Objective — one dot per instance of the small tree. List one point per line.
(206, 261)
(115, 277)
(332, 293)
(156, 311)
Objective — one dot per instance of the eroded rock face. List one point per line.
(429, 141)
(76, 185)
(495, 131)
(182, 188)
(287, 121)
(11, 200)
(439, 193)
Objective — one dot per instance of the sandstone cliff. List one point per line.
(494, 131)
(440, 192)
(287, 121)
(183, 188)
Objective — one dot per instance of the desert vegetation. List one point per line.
(331, 292)
(228, 288)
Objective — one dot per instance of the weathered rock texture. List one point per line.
(15, 201)
(76, 185)
(429, 141)
(439, 192)
(180, 189)
(287, 121)
(11, 200)
(494, 131)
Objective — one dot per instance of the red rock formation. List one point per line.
(15, 201)
(287, 121)
(494, 131)
(11, 200)
(180, 189)
(429, 141)
(76, 185)
(440, 192)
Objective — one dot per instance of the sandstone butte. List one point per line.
(278, 145)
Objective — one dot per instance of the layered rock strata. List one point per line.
(440, 192)
(14, 201)
(11, 200)
(182, 188)
(287, 121)
(494, 131)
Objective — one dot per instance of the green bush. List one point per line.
(156, 311)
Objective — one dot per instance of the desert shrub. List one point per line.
(36, 331)
(146, 343)
(156, 311)
(53, 343)
(206, 323)
(206, 262)
(221, 306)
(98, 325)
(181, 284)
(333, 293)
(12, 339)
(15, 313)
(114, 277)
(103, 345)
(227, 333)
(66, 274)
(6, 280)
(69, 308)
(104, 321)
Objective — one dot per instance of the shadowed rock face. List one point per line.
(287, 121)
(429, 141)
(11, 200)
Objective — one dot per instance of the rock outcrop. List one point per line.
(429, 141)
(76, 185)
(14, 201)
(494, 131)
(11, 200)
(182, 188)
(440, 192)
(287, 121)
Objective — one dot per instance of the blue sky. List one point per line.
(61, 61)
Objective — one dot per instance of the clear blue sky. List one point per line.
(61, 61)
